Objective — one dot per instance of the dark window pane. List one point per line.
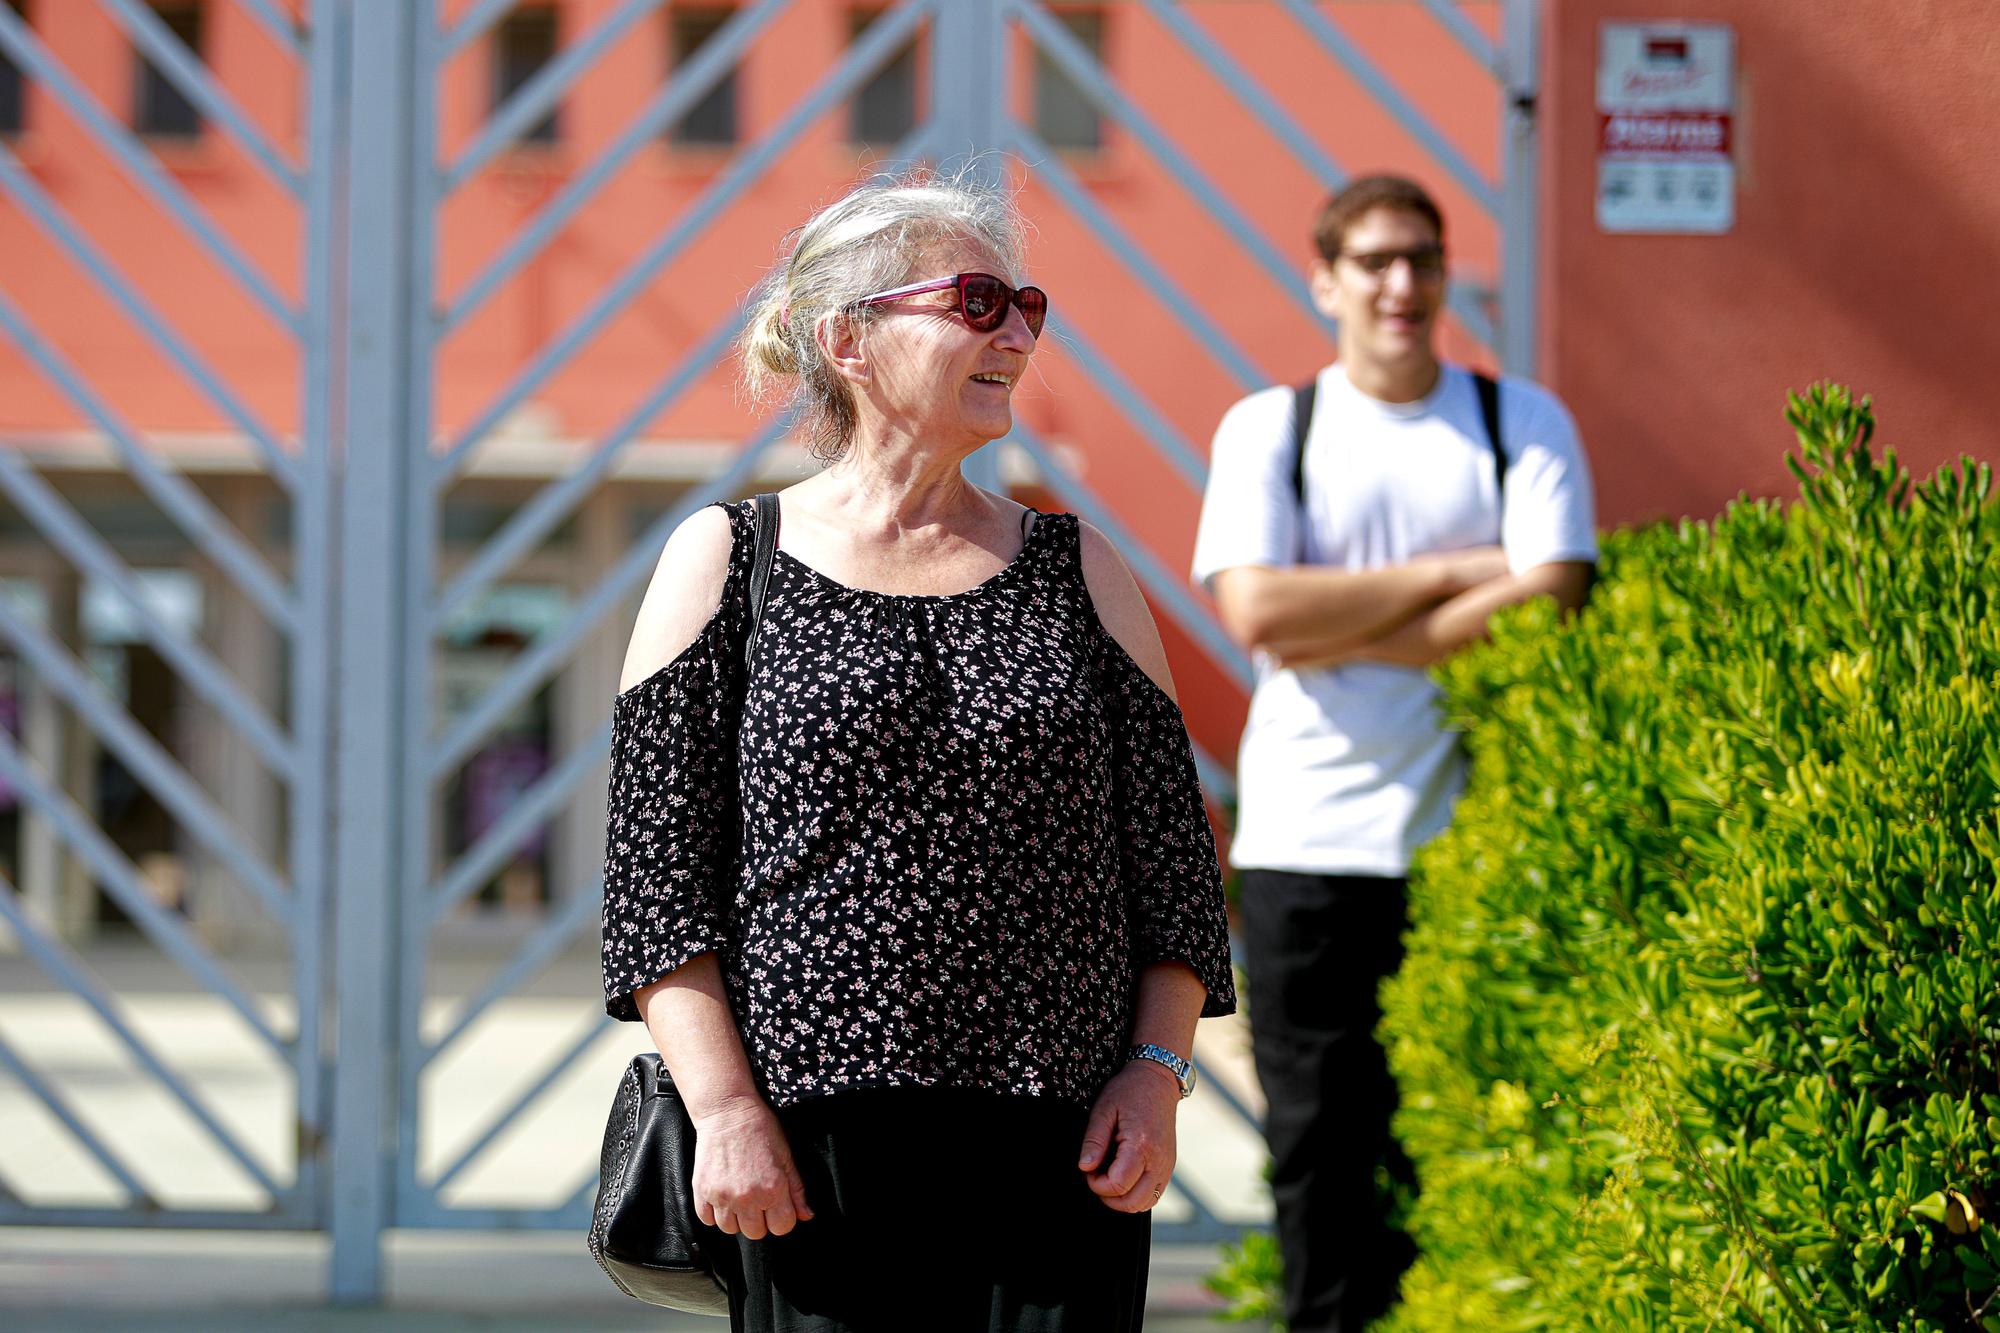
(1064, 117)
(885, 110)
(712, 120)
(11, 80)
(523, 42)
(159, 107)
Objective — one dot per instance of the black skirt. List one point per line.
(944, 1211)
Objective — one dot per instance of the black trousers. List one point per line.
(1316, 948)
(944, 1211)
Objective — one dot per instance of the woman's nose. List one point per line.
(1013, 332)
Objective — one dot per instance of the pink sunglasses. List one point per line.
(982, 300)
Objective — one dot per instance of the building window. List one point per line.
(712, 120)
(523, 42)
(160, 108)
(885, 110)
(1064, 117)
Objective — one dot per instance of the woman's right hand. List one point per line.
(744, 1178)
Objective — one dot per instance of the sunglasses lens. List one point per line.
(984, 301)
(1033, 303)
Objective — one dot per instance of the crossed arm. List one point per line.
(1411, 614)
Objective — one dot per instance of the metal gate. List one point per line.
(124, 1155)
(477, 454)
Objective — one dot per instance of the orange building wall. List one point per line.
(1866, 250)
(1869, 221)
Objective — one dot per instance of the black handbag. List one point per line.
(644, 1232)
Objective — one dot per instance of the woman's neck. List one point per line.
(888, 485)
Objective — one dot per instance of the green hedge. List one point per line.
(1699, 1026)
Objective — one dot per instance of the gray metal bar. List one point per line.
(1303, 147)
(1216, 780)
(581, 1201)
(1407, 114)
(527, 527)
(470, 29)
(58, 1107)
(1229, 1098)
(278, 26)
(1464, 31)
(691, 83)
(1056, 42)
(18, 40)
(1250, 93)
(121, 881)
(385, 109)
(165, 339)
(48, 511)
(875, 47)
(527, 672)
(311, 662)
(1165, 438)
(1170, 591)
(69, 972)
(414, 837)
(286, 1214)
(1520, 223)
(534, 99)
(1051, 171)
(530, 810)
(1247, 90)
(968, 59)
(426, 1214)
(213, 534)
(185, 72)
(550, 939)
(497, 1125)
(145, 759)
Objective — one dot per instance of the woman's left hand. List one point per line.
(1128, 1145)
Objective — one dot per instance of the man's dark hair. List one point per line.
(1363, 195)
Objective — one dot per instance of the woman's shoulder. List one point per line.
(1121, 607)
(687, 588)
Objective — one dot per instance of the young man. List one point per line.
(1349, 567)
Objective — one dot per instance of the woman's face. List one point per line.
(931, 376)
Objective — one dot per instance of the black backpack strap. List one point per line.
(1489, 412)
(1303, 396)
(764, 527)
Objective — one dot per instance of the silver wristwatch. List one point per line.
(1183, 1070)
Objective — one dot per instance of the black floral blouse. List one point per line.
(932, 839)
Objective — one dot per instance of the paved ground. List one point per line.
(164, 1281)
(65, 1281)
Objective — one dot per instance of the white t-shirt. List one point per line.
(1348, 769)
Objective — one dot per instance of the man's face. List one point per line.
(1385, 288)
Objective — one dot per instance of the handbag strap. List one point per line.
(764, 528)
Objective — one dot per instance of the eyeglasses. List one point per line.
(982, 300)
(1426, 261)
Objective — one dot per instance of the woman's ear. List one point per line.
(841, 342)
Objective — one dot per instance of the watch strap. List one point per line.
(1182, 1070)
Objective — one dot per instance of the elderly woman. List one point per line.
(921, 906)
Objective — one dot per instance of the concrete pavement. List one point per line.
(165, 1281)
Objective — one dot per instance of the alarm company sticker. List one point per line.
(1666, 96)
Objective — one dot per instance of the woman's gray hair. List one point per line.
(870, 240)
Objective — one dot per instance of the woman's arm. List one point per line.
(744, 1177)
(1129, 1145)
